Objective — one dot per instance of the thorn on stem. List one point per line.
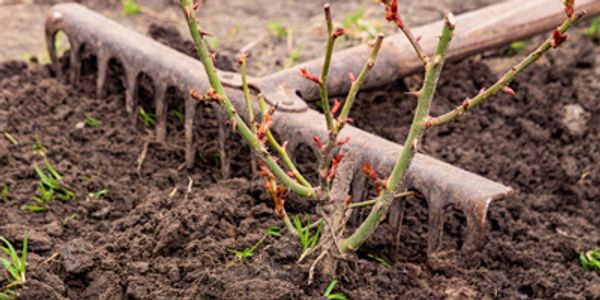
(343, 141)
(352, 77)
(336, 106)
(335, 162)
(318, 141)
(509, 91)
(558, 38)
(306, 74)
(338, 32)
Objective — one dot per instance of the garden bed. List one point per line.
(150, 237)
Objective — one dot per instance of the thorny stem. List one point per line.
(281, 149)
(343, 116)
(393, 15)
(382, 204)
(243, 62)
(325, 71)
(469, 104)
(255, 144)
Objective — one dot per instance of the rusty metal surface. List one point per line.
(441, 183)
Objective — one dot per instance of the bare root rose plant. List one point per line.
(333, 207)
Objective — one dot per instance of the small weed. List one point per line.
(39, 148)
(14, 266)
(10, 138)
(307, 240)
(333, 296)
(295, 55)
(516, 48)
(178, 114)
(356, 25)
(49, 187)
(130, 8)
(594, 28)
(248, 252)
(99, 193)
(92, 122)
(5, 193)
(72, 216)
(380, 260)
(146, 117)
(590, 260)
(277, 29)
(273, 231)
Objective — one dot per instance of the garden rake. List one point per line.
(440, 183)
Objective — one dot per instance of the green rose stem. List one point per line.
(254, 143)
(382, 203)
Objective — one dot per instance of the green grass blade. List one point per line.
(33, 208)
(24, 253)
(51, 169)
(329, 288)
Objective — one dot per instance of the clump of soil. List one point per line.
(151, 237)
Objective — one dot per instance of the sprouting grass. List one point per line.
(5, 193)
(178, 114)
(99, 193)
(380, 260)
(49, 188)
(147, 118)
(594, 28)
(70, 217)
(590, 260)
(39, 148)
(15, 266)
(307, 240)
(277, 29)
(356, 25)
(329, 295)
(10, 138)
(130, 8)
(241, 255)
(515, 48)
(92, 122)
(273, 231)
(295, 55)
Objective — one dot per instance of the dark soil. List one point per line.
(148, 238)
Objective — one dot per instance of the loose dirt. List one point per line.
(149, 238)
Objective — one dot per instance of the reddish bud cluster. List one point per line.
(509, 91)
(370, 172)
(347, 201)
(194, 94)
(264, 171)
(391, 13)
(336, 106)
(264, 127)
(569, 7)
(334, 165)
(343, 141)
(318, 141)
(277, 193)
(308, 75)
(338, 32)
(203, 33)
(558, 38)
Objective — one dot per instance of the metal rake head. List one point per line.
(440, 183)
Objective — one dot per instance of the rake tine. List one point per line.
(160, 98)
